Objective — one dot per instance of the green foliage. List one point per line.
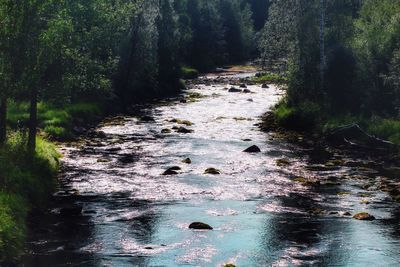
(13, 212)
(56, 122)
(388, 129)
(302, 117)
(189, 73)
(269, 77)
(25, 183)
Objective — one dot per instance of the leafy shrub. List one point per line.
(189, 73)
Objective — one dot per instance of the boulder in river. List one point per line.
(242, 85)
(247, 91)
(252, 149)
(184, 130)
(229, 265)
(187, 161)
(265, 86)
(234, 90)
(200, 226)
(172, 171)
(166, 131)
(213, 171)
(282, 162)
(364, 216)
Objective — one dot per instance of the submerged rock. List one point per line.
(172, 171)
(265, 86)
(184, 130)
(282, 162)
(187, 161)
(213, 171)
(166, 131)
(242, 85)
(247, 91)
(234, 90)
(200, 226)
(252, 149)
(364, 216)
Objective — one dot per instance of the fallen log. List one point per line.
(354, 135)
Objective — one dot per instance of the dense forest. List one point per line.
(65, 64)
(341, 59)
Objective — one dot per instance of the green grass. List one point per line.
(301, 118)
(189, 73)
(56, 122)
(25, 183)
(386, 129)
(269, 77)
(310, 117)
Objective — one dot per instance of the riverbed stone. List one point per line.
(166, 131)
(265, 86)
(172, 171)
(364, 216)
(282, 162)
(234, 90)
(247, 91)
(184, 130)
(252, 149)
(187, 161)
(212, 171)
(242, 85)
(200, 226)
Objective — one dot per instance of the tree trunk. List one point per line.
(3, 121)
(32, 123)
(322, 41)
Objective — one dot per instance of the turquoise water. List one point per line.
(134, 216)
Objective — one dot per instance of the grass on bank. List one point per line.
(269, 77)
(56, 122)
(24, 184)
(310, 116)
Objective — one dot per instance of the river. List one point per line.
(262, 211)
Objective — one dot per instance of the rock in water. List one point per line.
(166, 131)
(234, 90)
(184, 130)
(200, 226)
(172, 171)
(253, 149)
(246, 91)
(265, 86)
(212, 171)
(147, 119)
(187, 161)
(363, 216)
(243, 85)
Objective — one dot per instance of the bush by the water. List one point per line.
(189, 73)
(301, 117)
(269, 77)
(25, 181)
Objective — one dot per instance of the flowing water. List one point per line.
(262, 213)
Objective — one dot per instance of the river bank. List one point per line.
(280, 206)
